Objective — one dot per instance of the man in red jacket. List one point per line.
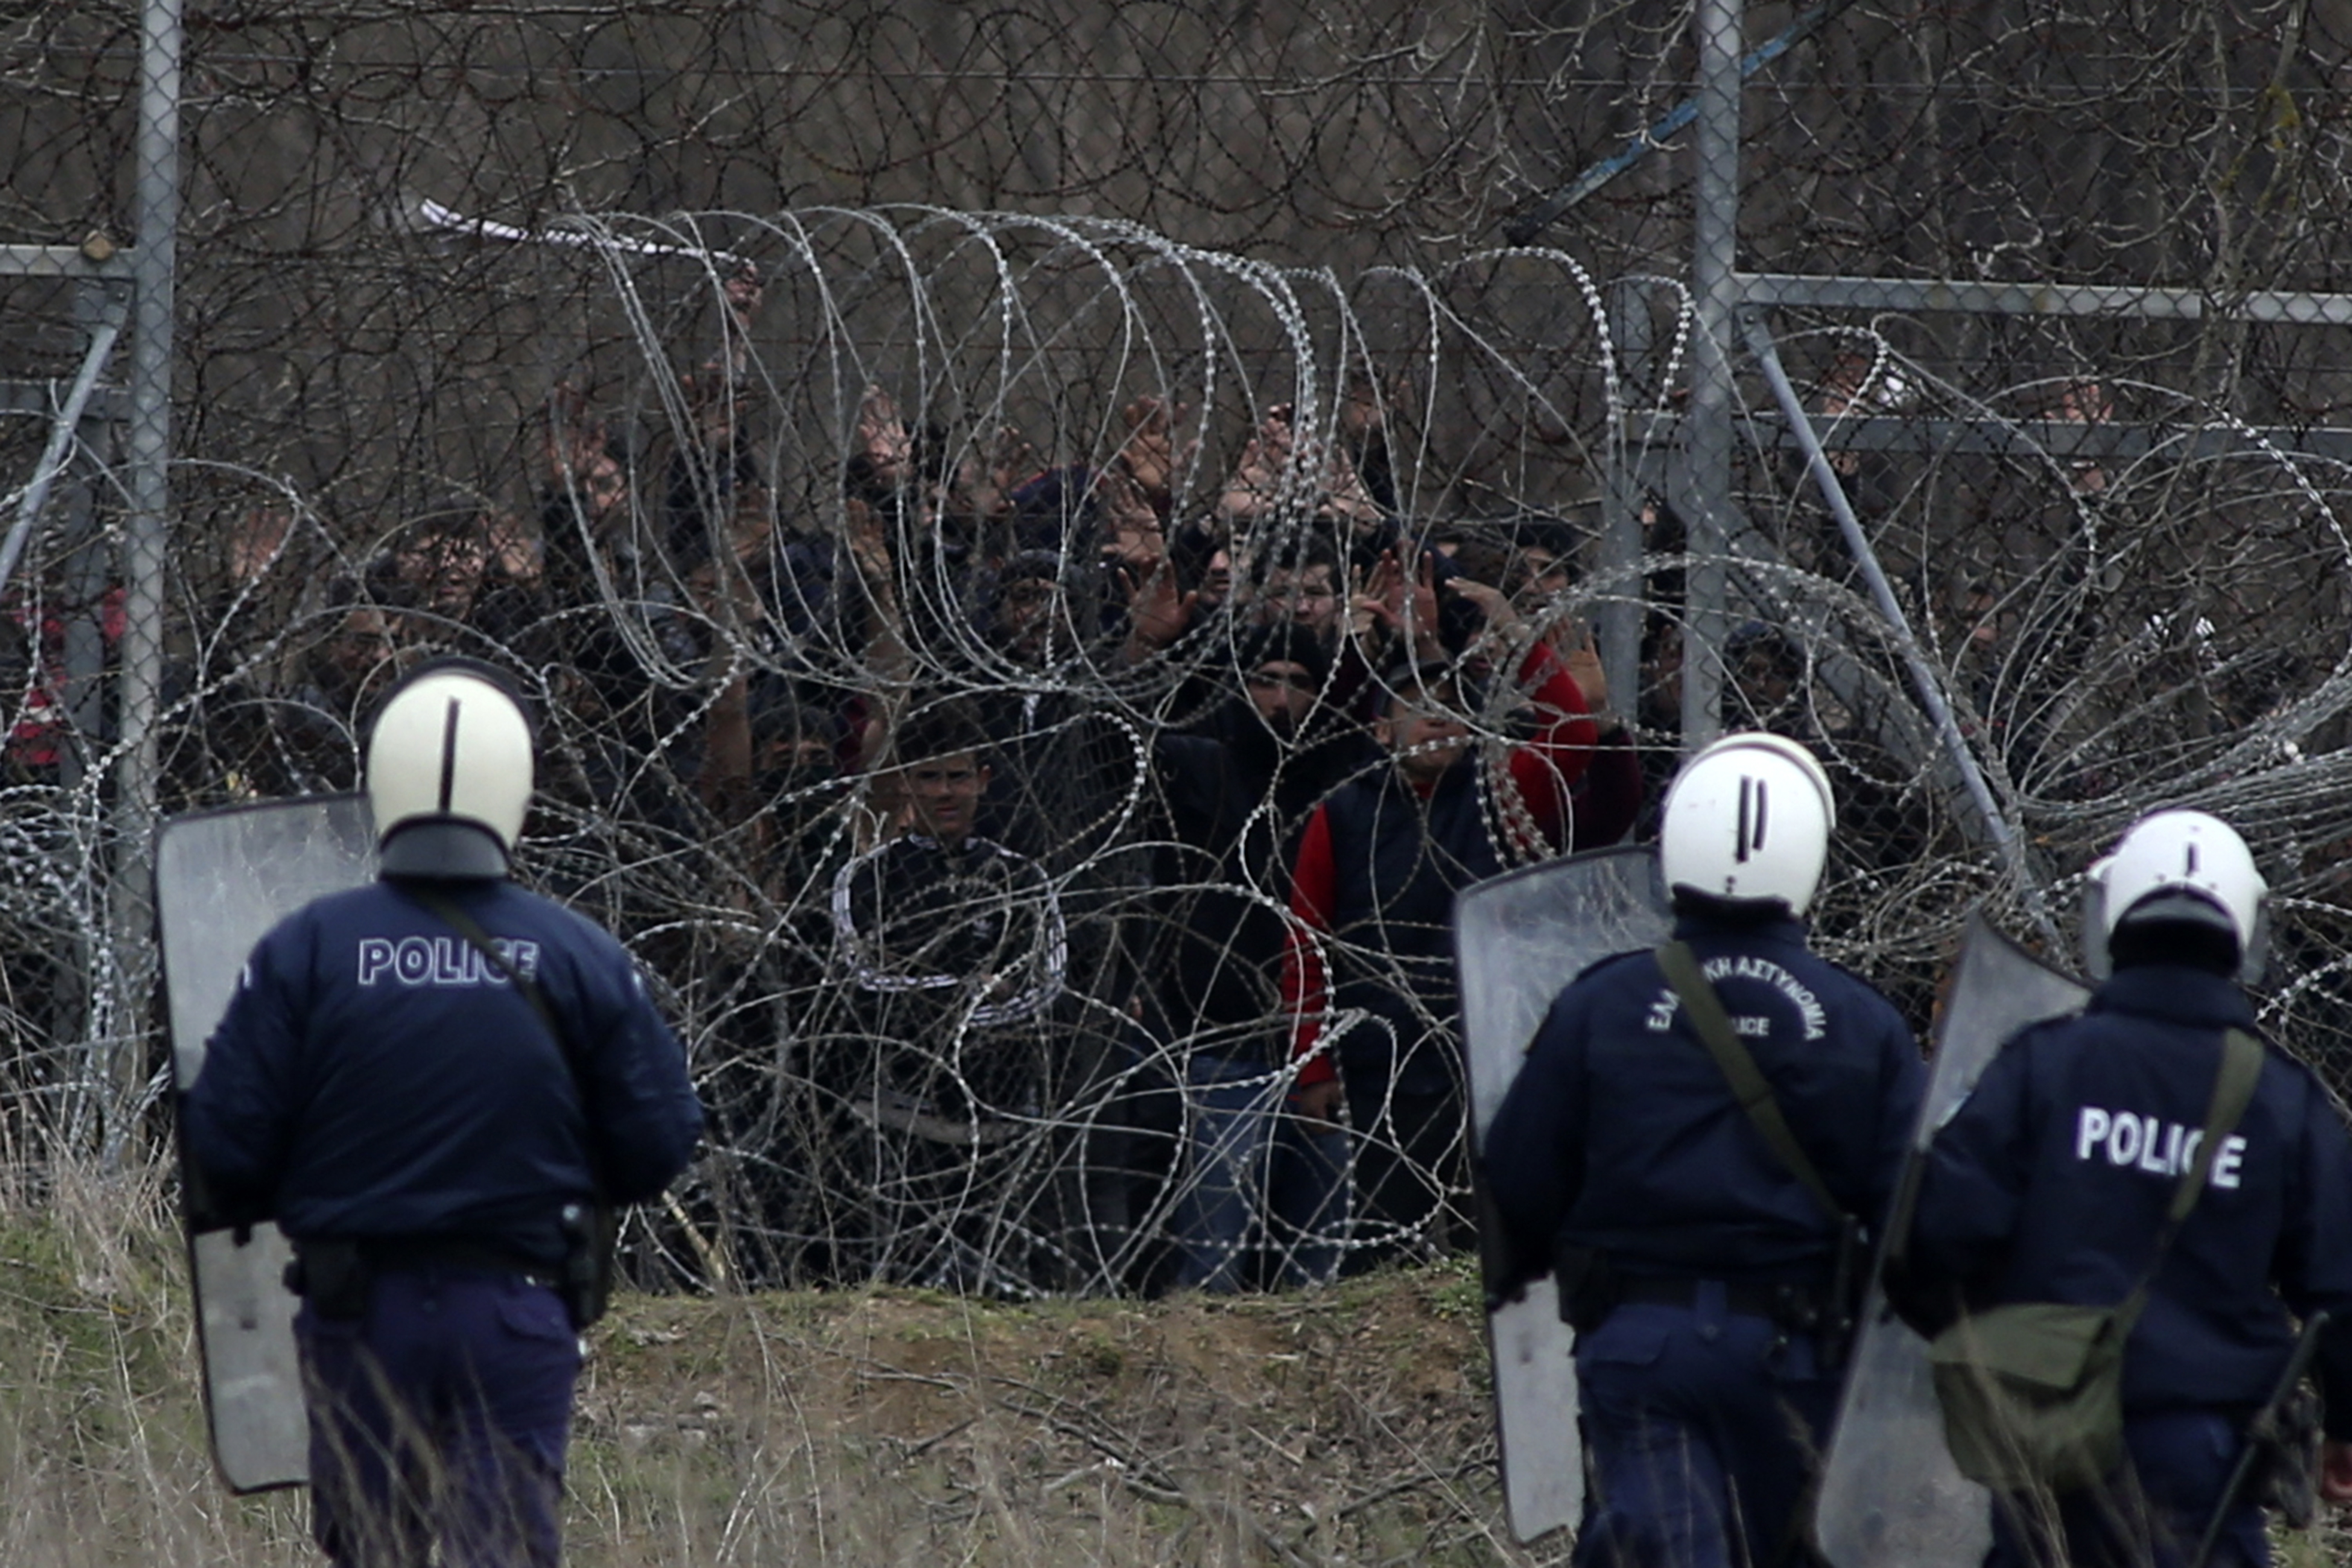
(1374, 881)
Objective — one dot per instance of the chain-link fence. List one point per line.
(966, 486)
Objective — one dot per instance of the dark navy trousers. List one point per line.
(1701, 1428)
(442, 1414)
(2153, 1515)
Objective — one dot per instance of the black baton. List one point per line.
(2261, 1433)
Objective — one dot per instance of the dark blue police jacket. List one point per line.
(2051, 1182)
(1620, 1134)
(375, 1076)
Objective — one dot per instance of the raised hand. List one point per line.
(1158, 612)
(1572, 638)
(882, 437)
(1150, 455)
(1256, 481)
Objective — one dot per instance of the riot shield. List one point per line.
(1890, 1495)
(1518, 940)
(222, 880)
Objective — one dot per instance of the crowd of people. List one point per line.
(1700, 1147)
(1136, 917)
(1054, 858)
(1062, 880)
(1071, 864)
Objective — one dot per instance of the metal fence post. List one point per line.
(1706, 488)
(119, 1031)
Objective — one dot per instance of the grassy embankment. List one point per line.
(872, 1427)
(1347, 1426)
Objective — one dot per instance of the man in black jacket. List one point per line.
(1236, 799)
(959, 1074)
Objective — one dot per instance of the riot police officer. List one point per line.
(434, 1083)
(1704, 1274)
(2051, 1181)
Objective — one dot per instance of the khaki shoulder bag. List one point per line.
(2032, 1391)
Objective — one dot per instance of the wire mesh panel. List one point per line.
(969, 490)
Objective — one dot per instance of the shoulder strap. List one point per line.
(455, 915)
(1740, 1070)
(2233, 1089)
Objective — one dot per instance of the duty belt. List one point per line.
(1791, 1304)
(391, 1254)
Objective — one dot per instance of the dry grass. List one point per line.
(1343, 1426)
(1347, 1426)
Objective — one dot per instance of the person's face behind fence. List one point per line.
(361, 646)
(1282, 692)
(1026, 616)
(1423, 732)
(945, 794)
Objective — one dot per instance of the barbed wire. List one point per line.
(770, 387)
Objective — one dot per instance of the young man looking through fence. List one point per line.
(1260, 1180)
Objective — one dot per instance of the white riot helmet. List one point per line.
(2178, 866)
(449, 766)
(1749, 819)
